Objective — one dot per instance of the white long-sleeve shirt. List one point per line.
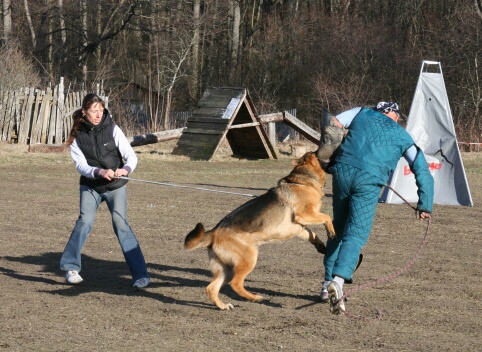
(121, 142)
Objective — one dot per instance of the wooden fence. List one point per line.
(31, 116)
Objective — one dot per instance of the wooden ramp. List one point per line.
(225, 113)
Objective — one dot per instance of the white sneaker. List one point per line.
(142, 282)
(324, 295)
(337, 304)
(73, 277)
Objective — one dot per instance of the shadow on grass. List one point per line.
(113, 277)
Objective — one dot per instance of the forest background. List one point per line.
(153, 58)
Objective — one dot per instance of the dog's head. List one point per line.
(310, 165)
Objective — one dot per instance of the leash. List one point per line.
(347, 293)
(183, 186)
(378, 315)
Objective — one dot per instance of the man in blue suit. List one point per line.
(366, 157)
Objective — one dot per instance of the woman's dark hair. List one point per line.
(78, 115)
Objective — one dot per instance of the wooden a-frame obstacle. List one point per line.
(229, 113)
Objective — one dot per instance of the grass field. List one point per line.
(435, 305)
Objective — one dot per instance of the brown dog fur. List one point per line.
(281, 213)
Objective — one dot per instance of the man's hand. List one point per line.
(422, 215)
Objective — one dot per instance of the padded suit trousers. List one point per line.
(355, 198)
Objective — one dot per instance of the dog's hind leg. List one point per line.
(221, 275)
(241, 269)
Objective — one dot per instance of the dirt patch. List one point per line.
(435, 305)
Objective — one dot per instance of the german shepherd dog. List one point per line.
(279, 214)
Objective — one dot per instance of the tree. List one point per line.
(7, 19)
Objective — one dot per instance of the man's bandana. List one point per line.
(387, 106)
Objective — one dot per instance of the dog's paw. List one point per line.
(331, 235)
(228, 306)
(257, 298)
(320, 247)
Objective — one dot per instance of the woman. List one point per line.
(101, 154)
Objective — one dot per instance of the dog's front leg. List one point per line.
(317, 218)
(311, 237)
(330, 230)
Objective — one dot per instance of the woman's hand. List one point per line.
(120, 172)
(108, 174)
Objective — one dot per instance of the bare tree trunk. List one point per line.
(50, 43)
(195, 50)
(235, 38)
(83, 6)
(7, 19)
(60, 4)
(98, 52)
(176, 72)
(478, 8)
(29, 21)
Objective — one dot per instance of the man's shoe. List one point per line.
(337, 305)
(73, 277)
(142, 282)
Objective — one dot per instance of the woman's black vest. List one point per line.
(98, 146)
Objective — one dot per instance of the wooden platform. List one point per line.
(225, 113)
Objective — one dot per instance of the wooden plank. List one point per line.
(16, 115)
(213, 112)
(198, 139)
(244, 125)
(11, 116)
(203, 131)
(21, 117)
(4, 116)
(46, 117)
(272, 133)
(221, 99)
(206, 125)
(217, 94)
(59, 110)
(53, 118)
(37, 131)
(208, 114)
(198, 149)
(34, 137)
(302, 128)
(24, 117)
(274, 117)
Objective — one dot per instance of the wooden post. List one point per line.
(272, 133)
(16, 114)
(59, 121)
(36, 120)
(46, 116)
(26, 118)
(3, 116)
(53, 118)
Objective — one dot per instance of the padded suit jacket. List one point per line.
(375, 143)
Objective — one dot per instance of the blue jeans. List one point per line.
(117, 203)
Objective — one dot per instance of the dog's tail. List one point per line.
(197, 238)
